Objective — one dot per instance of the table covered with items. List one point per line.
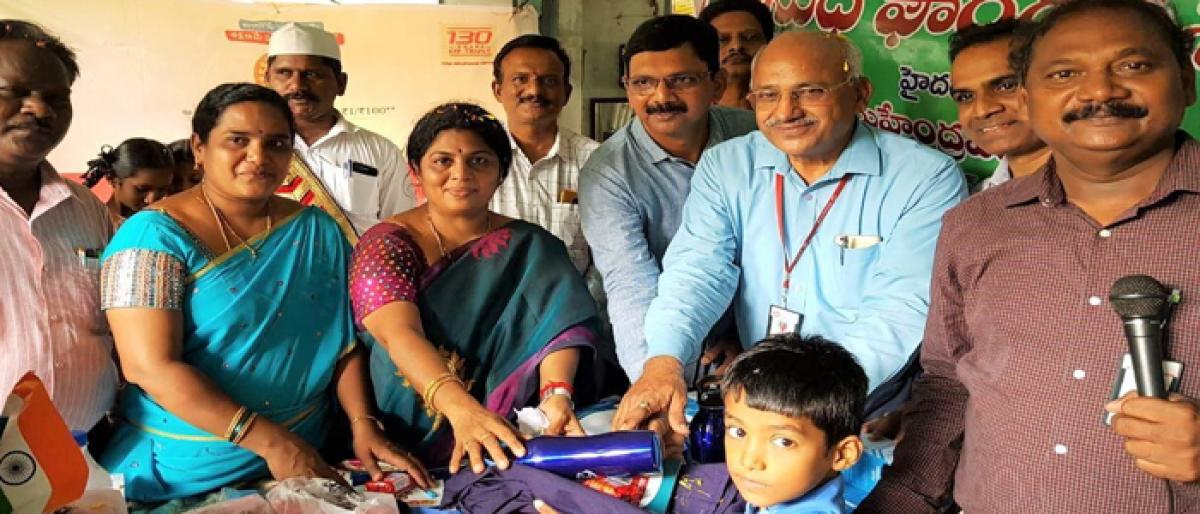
(44, 467)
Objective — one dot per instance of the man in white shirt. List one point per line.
(359, 175)
(532, 80)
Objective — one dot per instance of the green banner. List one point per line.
(904, 45)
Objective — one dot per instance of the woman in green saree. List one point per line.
(475, 314)
(229, 310)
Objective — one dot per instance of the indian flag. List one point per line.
(41, 467)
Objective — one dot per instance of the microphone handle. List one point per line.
(1145, 349)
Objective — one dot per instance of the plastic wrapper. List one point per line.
(431, 497)
(391, 483)
(531, 421)
(630, 489)
(320, 496)
(394, 481)
(249, 504)
(225, 497)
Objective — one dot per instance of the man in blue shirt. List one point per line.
(631, 190)
(856, 211)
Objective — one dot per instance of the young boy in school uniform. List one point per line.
(793, 408)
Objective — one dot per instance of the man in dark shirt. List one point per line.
(1021, 349)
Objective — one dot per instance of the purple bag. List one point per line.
(703, 489)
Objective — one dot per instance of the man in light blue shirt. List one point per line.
(633, 187)
(863, 280)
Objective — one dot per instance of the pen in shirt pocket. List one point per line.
(854, 242)
(88, 256)
(568, 196)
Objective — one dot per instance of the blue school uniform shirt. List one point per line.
(826, 499)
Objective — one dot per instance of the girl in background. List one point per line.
(187, 174)
(140, 171)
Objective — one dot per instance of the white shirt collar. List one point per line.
(341, 126)
(552, 154)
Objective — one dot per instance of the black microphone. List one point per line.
(1142, 303)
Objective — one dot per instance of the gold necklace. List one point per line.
(438, 236)
(223, 225)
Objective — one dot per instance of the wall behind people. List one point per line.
(592, 31)
(904, 45)
(146, 64)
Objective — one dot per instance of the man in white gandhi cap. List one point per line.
(355, 175)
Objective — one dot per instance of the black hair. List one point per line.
(126, 159)
(1160, 18)
(802, 377)
(39, 37)
(221, 97)
(534, 41)
(332, 63)
(673, 31)
(975, 34)
(755, 8)
(463, 116)
(181, 152)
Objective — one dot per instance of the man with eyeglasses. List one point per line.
(817, 224)
(633, 187)
(743, 28)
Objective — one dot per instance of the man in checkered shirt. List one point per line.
(532, 81)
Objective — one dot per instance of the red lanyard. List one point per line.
(788, 266)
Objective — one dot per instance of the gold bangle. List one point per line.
(245, 429)
(372, 418)
(436, 389)
(233, 423)
(431, 389)
(433, 383)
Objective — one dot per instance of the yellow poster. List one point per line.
(145, 65)
(683, 7)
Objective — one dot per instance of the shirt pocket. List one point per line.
(856, 268)
(564, 223)
(84, 275)
(364, 194)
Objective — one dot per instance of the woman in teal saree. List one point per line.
(231, 320)
(474, 314)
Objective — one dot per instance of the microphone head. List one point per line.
(1138, 296)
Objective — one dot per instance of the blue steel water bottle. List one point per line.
(706, 442)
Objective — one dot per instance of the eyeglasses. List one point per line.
(807, 95)
(644, 85)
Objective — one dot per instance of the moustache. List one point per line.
(30, 123)
(300, 95)
(737, 56)
(1114, 109)
(534, 99)
(798, 120)
(666, 108)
